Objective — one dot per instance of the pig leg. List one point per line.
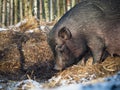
(96, 46)
(86, 57)
(104, 56)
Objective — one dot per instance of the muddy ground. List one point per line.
(25, 54)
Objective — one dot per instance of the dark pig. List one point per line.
(91, 26)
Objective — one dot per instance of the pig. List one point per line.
(92, 26)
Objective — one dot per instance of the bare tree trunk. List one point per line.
(54, 9)
(30, 7)
(61, 7)
(58, 9)
(40, 10)
(11, 12)
(15, 11)
(67, 5)
(8, 12)
(64, 3)
(0, 11)
(21, 10)
(46, 10)
(3, 13)
(25, 8)
(35, 8)
(43, 9)
(72, 3)
(50, 10)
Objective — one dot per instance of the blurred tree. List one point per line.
(13, 11)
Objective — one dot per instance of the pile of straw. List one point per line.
(84, 74)
(21, 48)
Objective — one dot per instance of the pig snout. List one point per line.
(59, 64)
(58, 68)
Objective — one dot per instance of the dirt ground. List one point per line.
(26, 55)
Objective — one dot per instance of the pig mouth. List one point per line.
(58, 68)
(59, 64)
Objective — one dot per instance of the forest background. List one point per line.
(13, 11)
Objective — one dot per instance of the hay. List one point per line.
(5, 39)
(36, 52)
(20, 48)
(83, 74)
(28, 23)
(9, 66)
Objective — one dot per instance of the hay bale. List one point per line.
(9, 66)
(31, 48)
(5, 39)
(9, 54)
(36, 50)
(33, 45)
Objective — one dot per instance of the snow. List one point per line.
(28, 85)
(1, 87)
(70, 87)
(3, 29)
(33, 85)
(111, 83)
(56, 79)
(21, 23)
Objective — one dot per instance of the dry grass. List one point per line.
(31, 23)
(83, 74)
(9, 66)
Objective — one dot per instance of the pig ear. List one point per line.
(64, 33)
